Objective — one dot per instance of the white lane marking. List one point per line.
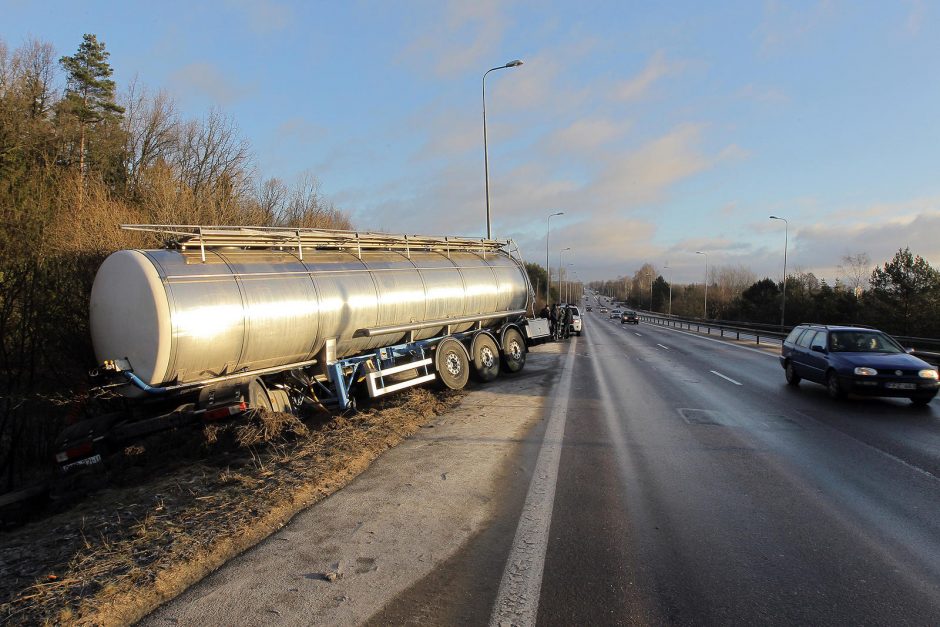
(666, 347)
(517, 602)
(715, 372)
(913, 467)
(723, 343)
(637, 334)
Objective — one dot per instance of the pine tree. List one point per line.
(906, 294)
(89, 94)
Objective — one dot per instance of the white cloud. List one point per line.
(300, 129)
(586, 135)
(785, 24)
(209, 81)
(639, 86)
(644, 175)
(763, 94)
(823, 244)
(915, 19)
(264, 16)
(462, 39)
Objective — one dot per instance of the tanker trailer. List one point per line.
(224, 319)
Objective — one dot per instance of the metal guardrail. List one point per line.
(722, 330)
(764, 333)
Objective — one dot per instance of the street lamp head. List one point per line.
(698, 252)
(515, 63)
(560, 213)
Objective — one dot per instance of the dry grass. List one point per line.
(124, 551)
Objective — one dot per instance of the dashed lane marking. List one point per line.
(722, 342)
(666, 347)
(715, 372)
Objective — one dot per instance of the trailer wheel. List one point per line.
(452, 363)
(280, 401)
(485, 357)
(513, 350)
(258, 395)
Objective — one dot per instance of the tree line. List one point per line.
(902, 296)
(77, 159)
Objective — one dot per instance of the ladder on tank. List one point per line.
(187, 237)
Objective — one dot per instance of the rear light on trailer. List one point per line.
(221, 413)
(81, 450)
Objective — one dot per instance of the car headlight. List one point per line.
(927, 373)
(866, 372)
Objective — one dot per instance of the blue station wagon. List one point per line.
(856, 360)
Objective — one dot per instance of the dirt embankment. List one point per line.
(123, 551)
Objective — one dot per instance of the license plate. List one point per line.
(901, 386)
(88, 461)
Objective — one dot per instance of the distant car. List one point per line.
(603, 309)
(589, 308)
(616, 313)
(575, 326)
(856, 360)
(629, 317)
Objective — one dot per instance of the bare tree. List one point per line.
(151, 127)
(856, 270)
(272, 194)
(210, 154)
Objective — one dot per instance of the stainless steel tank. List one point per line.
(178, 318)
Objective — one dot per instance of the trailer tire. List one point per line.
(452, 364)
(513, 350)
(258, 395)
(485, 353)
(280, 401)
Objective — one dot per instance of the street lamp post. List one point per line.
(666, 267)
(560, 269)
(786, 236)
(486, 161)
(568, 287)
(698, 252)
(548, 267)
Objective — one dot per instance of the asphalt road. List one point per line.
(696, 487)
(635, 475)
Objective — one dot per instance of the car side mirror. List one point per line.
(818, 349)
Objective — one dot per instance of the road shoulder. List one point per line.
(343, 559)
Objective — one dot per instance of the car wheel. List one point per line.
(921, 401)
(833, 386)
(790, 372)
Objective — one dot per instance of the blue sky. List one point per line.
(658, 130)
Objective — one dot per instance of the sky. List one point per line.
(659, 129)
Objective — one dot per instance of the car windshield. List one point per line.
(862, 342)
(574, 311)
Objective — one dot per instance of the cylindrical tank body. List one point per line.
(177, 318)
